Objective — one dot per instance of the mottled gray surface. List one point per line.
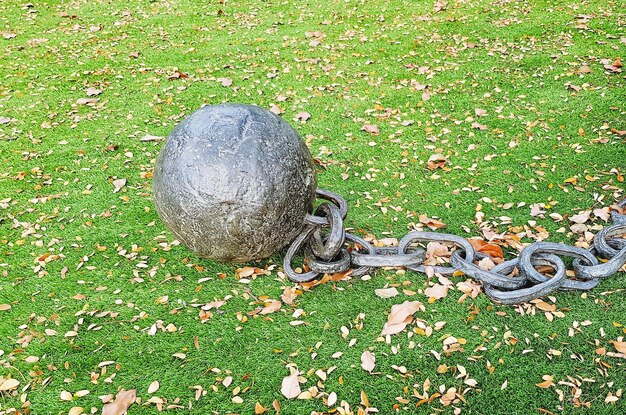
(233, 182)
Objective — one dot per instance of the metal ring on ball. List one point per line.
(328, 247)
(332, 197)
(296, 246)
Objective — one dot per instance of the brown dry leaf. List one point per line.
(149, 137)
(276, 406)
(225, 81)
(4, 120)
(66, 396)
(288, 295)
(368, 361)
(618, 132)
(478, 126)
(435, 250)
(470, 288)
(119, 184)
(76, 410)
(536, 211)
(272, 307)
(386, 292)
(400, 316)
(5, 307)
(92, 92)
(603, 213)
(370, 128)
(436, 161)
(122, 402)
(302, 116)
(581, 218)
(9, 384)
(154, 386)
(87, 101)
(620, 346)
(437, 291)
(290, 387)
(433, 224)
(440, 5)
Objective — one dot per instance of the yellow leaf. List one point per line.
(259, 409)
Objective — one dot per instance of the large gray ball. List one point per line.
(234, 182)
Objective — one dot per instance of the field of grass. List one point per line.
(521, 102)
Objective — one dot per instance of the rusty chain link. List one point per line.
(328, 249)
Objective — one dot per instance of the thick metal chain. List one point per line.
(328, 249)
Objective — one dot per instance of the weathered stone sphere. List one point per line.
(234, 182)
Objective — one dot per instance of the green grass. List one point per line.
(514, 60)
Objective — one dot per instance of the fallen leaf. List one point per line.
(302, 116)
(272, 307)
(437, 291)
(440, 5)
(4, 120)
(154, 386)
(288, 295)
(92, 92)
(225, 81)
(119, 184)
(536, 211)
(9, 384)
(259, 409)
(87, 101)
(479, 126)
(5, 307)
(400, 316)
(76, 410)
(332, 399)
(547, 382)
(386, 292)
(119, 406)
(368, 361)
(66, 396)
(290, 387)
(370, 128)
(149, 137)
(582, 217)
(619, 346)
(433, 224)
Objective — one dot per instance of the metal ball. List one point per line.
(234, 182)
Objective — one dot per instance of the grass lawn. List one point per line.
(520, 103)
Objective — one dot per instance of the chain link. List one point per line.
(328, 249)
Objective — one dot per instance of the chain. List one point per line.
(538, 271)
